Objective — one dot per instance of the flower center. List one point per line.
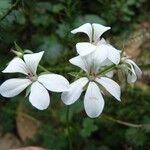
(31, 77)
(92, 76)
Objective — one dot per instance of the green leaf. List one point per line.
(52, 47)
(4, 6)
(103, 147)
(43, 6)
(89, 18)
(18, 17)
(57, 8)
(133, 135)
(77, 75)
(88, 127)
(74, 74)
(63, 30)
(40, 19)
(146, 121)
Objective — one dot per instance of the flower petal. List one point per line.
(32, 61)
(106, 62)
(113, 54)
(54, 82)
(85, 28)
(101, 41)
(98, 31)
(131, 76)
(13, 87)
(136, 68)
(89, 63)
(78, 61)
(15, 66)
(101, 54)
(111, 86)
(93, 101)
(74, 92)
(39, 96)
(85, 48)
(109, 74)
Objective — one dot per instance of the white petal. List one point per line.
(91, 62)
(101, 54)
(106, 62)
(13, 87)
(113, 54)
(74, 92)
(15, 66)
(84, 48)
(131, 76)
(102, 41)
(78, 61)
(98, 31)
(54, 82)
(110, 74)
(93, 101)
(111, 86)
(32, 61)
(137, 69)
(88, 63)
(85, 28)
(104, 53)
(39, 96)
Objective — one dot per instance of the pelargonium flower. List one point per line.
(94, 32)
(39, 96)
(92, 82)
(130, 68)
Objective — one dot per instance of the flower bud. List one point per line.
(19, 54)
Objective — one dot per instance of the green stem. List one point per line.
(107, 69)
(123, 122)
(44, 69)
(68, 128)
(10, 10)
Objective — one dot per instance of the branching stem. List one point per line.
(13, 6)
(123, 122)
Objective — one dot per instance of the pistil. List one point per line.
(31, 77)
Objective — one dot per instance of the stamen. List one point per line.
(30, 76)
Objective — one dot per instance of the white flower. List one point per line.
(93, 99)
(94, 32)
(131, 69)
(39, 96)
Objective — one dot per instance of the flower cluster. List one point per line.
(96, 58)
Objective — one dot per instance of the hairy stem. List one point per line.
(123, 122)
(68, 128)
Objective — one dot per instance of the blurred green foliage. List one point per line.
(45, 25)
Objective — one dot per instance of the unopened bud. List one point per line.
(19, 54)
(28, 51)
